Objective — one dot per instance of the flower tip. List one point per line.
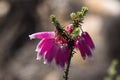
(45, 62)
(31, 37)
(36, 49)
(38, 58)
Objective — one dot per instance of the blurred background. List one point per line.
(20, 18)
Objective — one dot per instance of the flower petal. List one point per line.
(83, 47)
(51, 53)
(86, 48)
(88, 39)
(62, 56)
(41, 35)
(69, 28)
(48, 43)
(40, 44)
(57, 57)
(79, 45)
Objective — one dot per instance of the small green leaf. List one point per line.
(84, 10)
(53, 17)
(73, 16)
(75, 33)
(79, 14)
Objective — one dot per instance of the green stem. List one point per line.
(68, 65)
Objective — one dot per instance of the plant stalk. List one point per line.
(68, 65)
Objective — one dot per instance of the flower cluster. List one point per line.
(56, 45)
(51, 46)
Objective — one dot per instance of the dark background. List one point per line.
(20, 18)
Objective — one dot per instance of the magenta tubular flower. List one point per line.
(54, 46)
(51, 47)
(82, 46)
(88, 40)
(83, 43)
(70, 28)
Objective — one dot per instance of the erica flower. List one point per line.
(60, 45)
(82, 42)
(85, 45)
(54, 46)
(51, 46)
(70, 28)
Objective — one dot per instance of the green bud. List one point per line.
(75, 33)
(79, 14)
(53, 17)
(84, 10)
(73, 16)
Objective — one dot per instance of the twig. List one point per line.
(68, 65)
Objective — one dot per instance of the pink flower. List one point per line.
(51, 47)
(70, 28)
(54, 46)
(84, 44)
